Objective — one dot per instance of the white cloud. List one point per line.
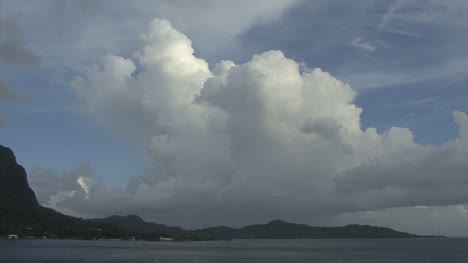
(360, 43)
(52, 188)
(84, 185)
(251, 142)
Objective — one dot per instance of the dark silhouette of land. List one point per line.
(276, 229)
(21, 214)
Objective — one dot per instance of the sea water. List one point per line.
(239, 251)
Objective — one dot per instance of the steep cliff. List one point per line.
(14, 188)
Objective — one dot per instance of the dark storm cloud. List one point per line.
(6, 92)
(12, 49)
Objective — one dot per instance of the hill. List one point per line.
(134, 223)
(275, 229)
(284, 230)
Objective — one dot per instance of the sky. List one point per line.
(238, 112)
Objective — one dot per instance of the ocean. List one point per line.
(238, 251)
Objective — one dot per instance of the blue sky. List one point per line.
(406, 61)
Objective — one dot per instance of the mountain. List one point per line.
(21, 214)
(14, 187)
(134, 223)
(276, 229)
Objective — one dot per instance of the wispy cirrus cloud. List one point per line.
(360, 42)
(388, 16)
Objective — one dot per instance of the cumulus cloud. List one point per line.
(247, 143)
(51, 188)
(215, 25)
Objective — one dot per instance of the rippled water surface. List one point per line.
(258, 251)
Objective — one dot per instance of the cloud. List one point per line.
(6, 92)
(451, 70)
(425, 220)
(92, 27)
(403, 33)
(52, 188)
(12, 50)
(3, 122)
(386, 18)
(360, 43)
(247, 143)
